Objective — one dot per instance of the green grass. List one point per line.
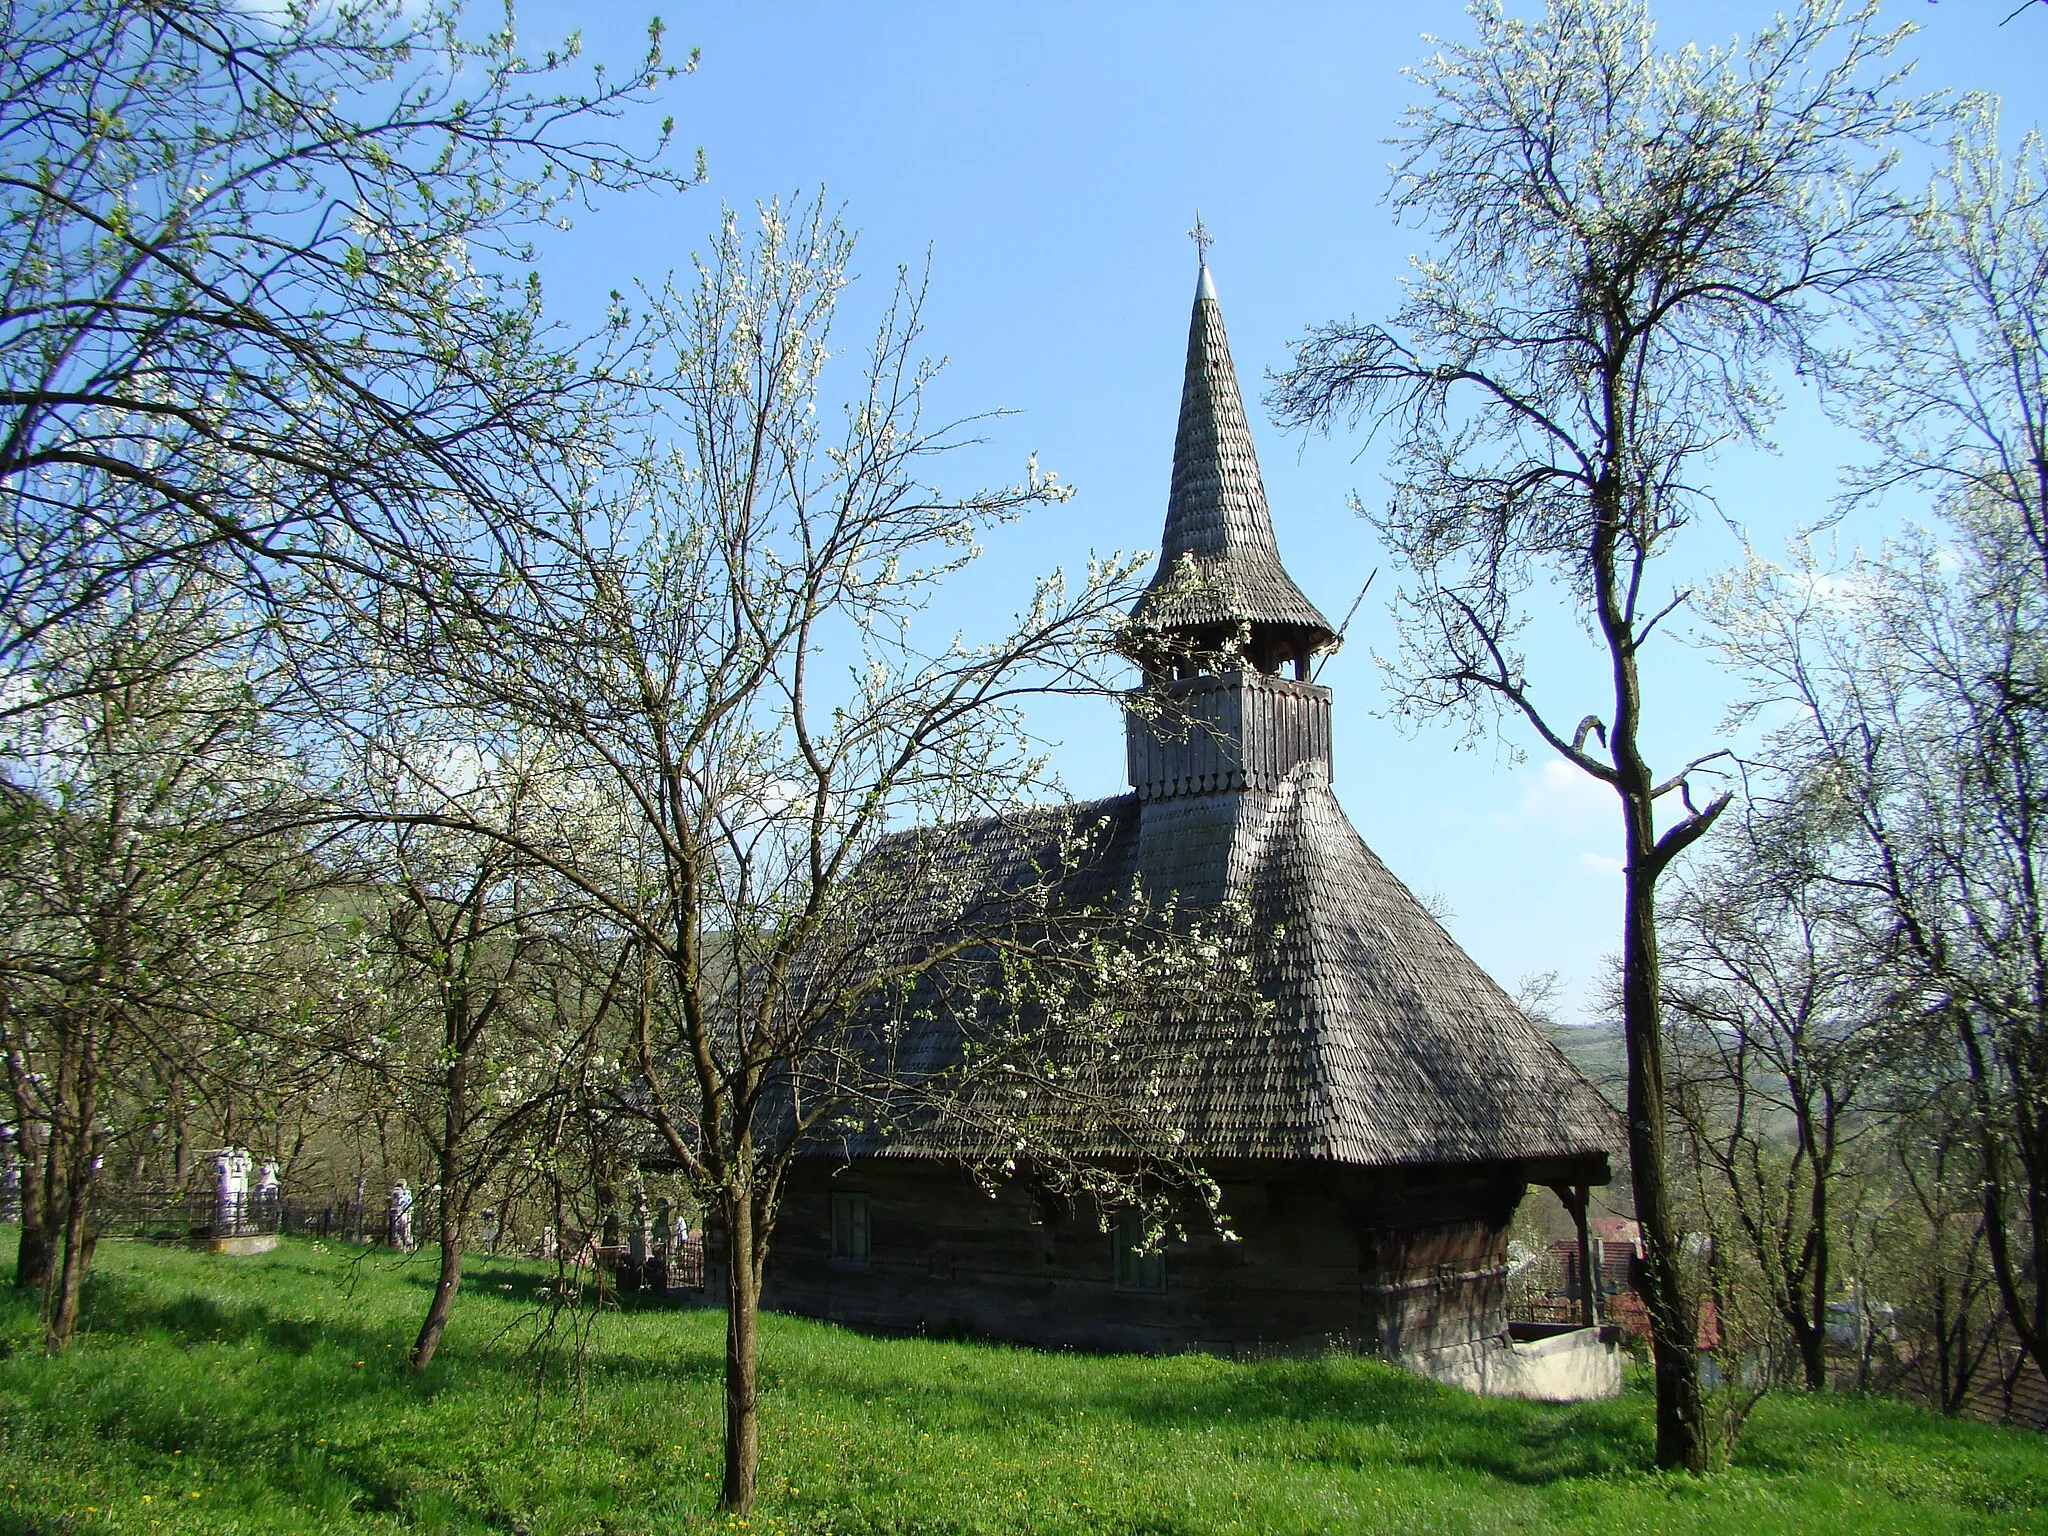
(270, 1394)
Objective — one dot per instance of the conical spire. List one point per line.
(1219, 567)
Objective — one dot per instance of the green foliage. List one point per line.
(271, 1394)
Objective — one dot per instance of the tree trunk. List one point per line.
(1813, 1355)
(1673, 1320)
(742, 1313)
(2022, 1280)
(1945, 1358)
(1813, 1329)
(608, 1228)
(455, 1188)
(443, 1305)
(32, 1252)
(77, 1254)
(32, 1255)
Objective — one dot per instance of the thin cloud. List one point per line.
(1563, 798)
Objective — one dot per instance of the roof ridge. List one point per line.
(968, 825)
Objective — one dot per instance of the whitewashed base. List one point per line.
(1565, 1368)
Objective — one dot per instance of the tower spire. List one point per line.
(1219, 567)
(1221, 616)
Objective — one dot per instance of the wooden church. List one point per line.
(1371, 1137)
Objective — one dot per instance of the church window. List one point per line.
(1136, 1270)
(850, 1228)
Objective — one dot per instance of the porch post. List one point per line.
(1589, 1275)
(1576, 1198)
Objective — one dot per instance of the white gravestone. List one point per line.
(231, 1167)
(401, 1215)
(638, 1240)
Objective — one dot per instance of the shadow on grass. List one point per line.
(521, 1283)
(499, 1357)
(224, 1364)
(319, 1409)
(1289, 1410)
(25, 1522)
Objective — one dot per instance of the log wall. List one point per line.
(1406, 1264)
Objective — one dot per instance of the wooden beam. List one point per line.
(1576, 1198)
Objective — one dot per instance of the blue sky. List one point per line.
(1050, 159)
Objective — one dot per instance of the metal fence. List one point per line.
(686, 1265)
(197, 1213)
(1550, 1288)
(169, 1213)
(185, 1213)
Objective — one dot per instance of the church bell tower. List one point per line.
(1223, 635)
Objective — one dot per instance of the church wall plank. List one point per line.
(1323, 1258)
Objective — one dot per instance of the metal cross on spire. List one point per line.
(1202, 238)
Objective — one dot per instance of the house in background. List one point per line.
(1372, 1132)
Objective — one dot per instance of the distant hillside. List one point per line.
(1598, 1051)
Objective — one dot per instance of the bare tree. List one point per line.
(1909, 686)
(486, 1028)
(1776, 1034)
(1626, 237)
(1949, 375)
(1956, 400)
(1933, 1251)
(1912, 679)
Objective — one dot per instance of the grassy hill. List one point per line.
(1598, 1051)
(270, 1394)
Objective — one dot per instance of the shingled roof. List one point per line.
(1219, 565)
(1384, 1043)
